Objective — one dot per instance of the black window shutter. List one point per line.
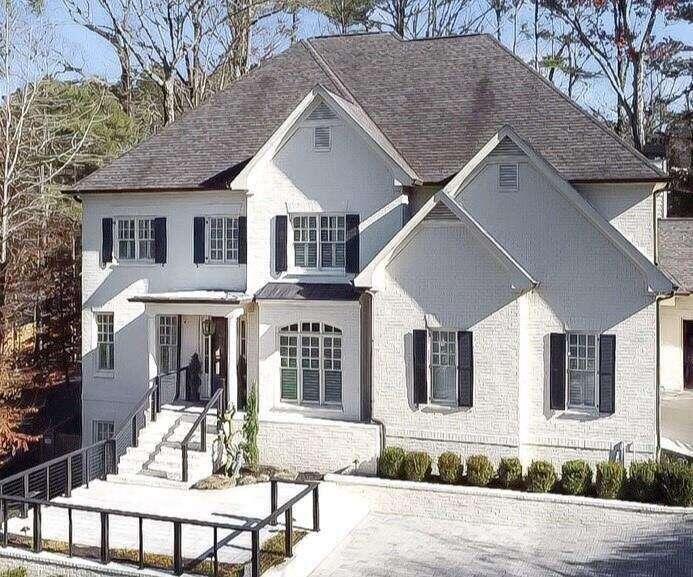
(107, 240)
(420, 367)
(160, 240)
(465, 369)
(352, 243)
(607, 374)
(199, 239)
(280, 224)
(242, 240)
(557, 371)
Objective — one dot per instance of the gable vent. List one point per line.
(507, 147)
(322, 112)
(440, 212)
(322, 138)
(507, 176)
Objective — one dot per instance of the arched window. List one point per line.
(311, 363)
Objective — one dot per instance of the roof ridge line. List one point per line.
(325, 67)
(622, 141)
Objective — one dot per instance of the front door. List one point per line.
(219, 375)
(688, 354)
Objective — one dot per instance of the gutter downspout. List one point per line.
(658, 384)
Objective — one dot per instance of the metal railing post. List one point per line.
(104, 473)
(113, 451)
(3, 512)
(69, 533)
(273, 500)
(105, 549)
(289, 532)
(37, 544)
(184, 461)
(140, 531)
(48, 483)
(316, 509)
(68, 477)
(203, 435)
(177, 548)
(216, 553)
(158, 394)
(255, 554)
(133, 430)
(25, 506)
(152, 401)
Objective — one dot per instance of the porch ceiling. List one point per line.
(194, 297)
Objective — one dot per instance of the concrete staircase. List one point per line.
(157, 459)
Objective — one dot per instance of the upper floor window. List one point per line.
(443, 366)
(222, 239)
(135, 238)
(311, 363)
(105, 349)
(582, 370)
(331, 230)
(168, 343)
(101, 430)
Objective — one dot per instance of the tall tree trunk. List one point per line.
(536, 34)
(169, 95)
(638, 116)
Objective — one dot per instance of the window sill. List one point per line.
(221, 264)
(134, 263)
(440, 407)
(308, 407)
(104, 374)
(580, 413)
(336, 272)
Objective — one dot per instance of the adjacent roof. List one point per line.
(193, 297)
(675, 250)
(308, 292)
(436, 101)
(520, 279)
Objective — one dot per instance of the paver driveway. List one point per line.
(384, 545)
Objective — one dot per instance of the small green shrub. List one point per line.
(643, 481)
(611, 479)
(541, 477)
(510, 473)
(15, 572)
(576, 477)
(417, 466)
(479, 470)
(449, 467)
(676, 483)
(390, 463)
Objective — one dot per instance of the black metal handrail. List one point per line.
(251, 527)
(216, 400)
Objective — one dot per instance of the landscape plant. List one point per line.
(643, 481)
(509, 473)
(479, 470)
(449, 467)
(251, 428)
(676, 482)
(390, 463)
(541, 477)
(611, 478)
(576, 477)
(416, 466)
(228, 447)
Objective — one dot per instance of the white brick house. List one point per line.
(389, 260)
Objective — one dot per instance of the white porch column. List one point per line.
(151, 344)
(231, 354)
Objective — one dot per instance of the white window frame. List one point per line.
(516, 166)
(595, 370)
(319, 266)
(98, 332)
(167, 341)
(327, 127)
(325, 331)
(102, 430)
(137, 220)
(431, 399)
(225, 260)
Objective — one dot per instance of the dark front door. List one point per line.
(688, 354)
(219, 356)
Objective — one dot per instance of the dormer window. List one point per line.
(508, 177)
(322, 138)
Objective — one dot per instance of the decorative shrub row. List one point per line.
(669, 481)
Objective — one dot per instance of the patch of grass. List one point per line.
(271, 554)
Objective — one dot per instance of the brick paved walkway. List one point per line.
(384, 545)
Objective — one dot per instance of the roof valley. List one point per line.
(325, 67)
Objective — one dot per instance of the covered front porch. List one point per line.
(205, 332)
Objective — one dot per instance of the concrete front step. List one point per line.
(147, 480)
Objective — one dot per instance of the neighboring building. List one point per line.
(675, 255)
(421, 243)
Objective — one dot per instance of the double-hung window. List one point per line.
(168, 343)
(582, 355)
(105, 350)
(326, 253)
(222, 239)
(101, 430)
(443, 351)
(135, 238)
(311, 363)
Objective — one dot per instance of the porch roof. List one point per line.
(308, 292)
(193, 297)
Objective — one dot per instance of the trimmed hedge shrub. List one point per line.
(449, 467)
(510, 473)
(417, 466)
(576, 477)
(541, 477)
(643, 481)
(390, 463)
(15, 572)
(479, 470)
(611, 479)
(676, 483)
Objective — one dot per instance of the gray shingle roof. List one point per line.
(675, 250)
(438, 101)
(308, 292)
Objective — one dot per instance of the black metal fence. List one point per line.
(7, 502)
(217, 401)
